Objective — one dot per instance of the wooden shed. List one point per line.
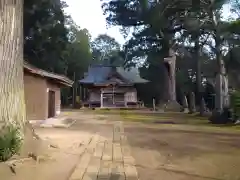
(42, 92)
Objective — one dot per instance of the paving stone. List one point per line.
(81, 167)
(130, 172)
(124, 139)
(92, 169)
(117, 171)
(107, 159)
(117, 132)
(84, 161)
(99, 150)
(107, 154)
(126, 151)
(117, 152)
(104, 171)
(129, 160)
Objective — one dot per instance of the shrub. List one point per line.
(10, 142)
(224, 117)
(235, 104)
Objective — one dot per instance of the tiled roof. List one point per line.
(98, 74)
(59, 78)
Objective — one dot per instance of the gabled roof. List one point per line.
(58, 78)
(99, 74)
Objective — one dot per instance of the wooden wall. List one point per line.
(130, 93)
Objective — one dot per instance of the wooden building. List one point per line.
(110, 87)
(42, 92)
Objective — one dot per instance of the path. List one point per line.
(106, 158)
(88, 150)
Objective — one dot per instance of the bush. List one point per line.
(235, 104)
(224, 117)
(10, 142)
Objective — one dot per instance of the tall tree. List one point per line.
(12, 105)
(77, 56)
(154, 24)
(45, 34)
(105, 49)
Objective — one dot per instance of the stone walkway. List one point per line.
(106, 158)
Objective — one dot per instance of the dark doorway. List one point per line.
(51, 104)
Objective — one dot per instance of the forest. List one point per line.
(205, 39)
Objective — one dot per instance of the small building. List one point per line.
(42, 92)
(110, 87)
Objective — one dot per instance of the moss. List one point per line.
(10, 142)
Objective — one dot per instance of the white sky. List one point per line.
(88, 14)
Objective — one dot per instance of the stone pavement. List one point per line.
(106, 158)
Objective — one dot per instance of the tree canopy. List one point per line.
(52, 40)
(195, 29)
(106, 50)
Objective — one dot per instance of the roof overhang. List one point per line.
(112, 84)
(59, 79)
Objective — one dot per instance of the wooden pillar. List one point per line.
(82, 94)
(101, 99)
(125, 101)
(113, 99)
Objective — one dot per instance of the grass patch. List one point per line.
(165, 118)
(10, 142)
(158, 118)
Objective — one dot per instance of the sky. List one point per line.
(88, 14)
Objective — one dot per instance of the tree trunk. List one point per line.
(192, 106)
(221, 88)
(222, 98)
(170, 63)
(202, 107)
(198, 69)
(167, 86)
(12, 104)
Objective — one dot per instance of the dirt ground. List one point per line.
(177, 152)
(168, 153)
(160, 151)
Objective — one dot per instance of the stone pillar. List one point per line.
(185, 104)
(192, 104)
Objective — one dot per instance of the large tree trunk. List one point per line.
(198, 69)
(171, 79)
(12, 105)
(221, 87)
(222, 98)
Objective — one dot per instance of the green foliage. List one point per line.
(45, 35)
(235, 103)
(53, 41)
(106, 50)
(78, 54)
(10, 142)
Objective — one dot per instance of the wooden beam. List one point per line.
(101, 100)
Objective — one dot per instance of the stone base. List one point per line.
(172, 106)
(185, 110)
